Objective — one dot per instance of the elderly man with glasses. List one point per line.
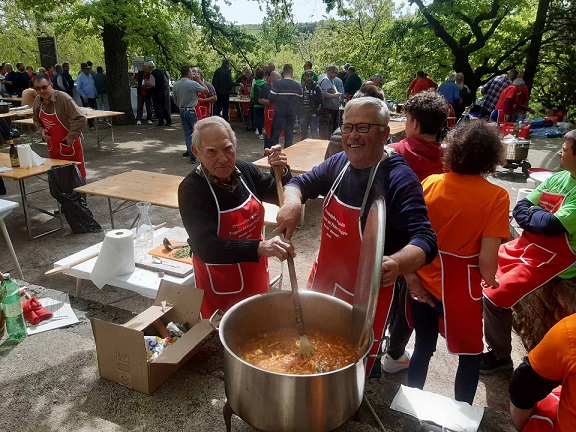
(351, 181)
(60, 122)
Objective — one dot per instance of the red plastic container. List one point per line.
(508, 129)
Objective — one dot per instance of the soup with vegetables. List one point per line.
(277, 351)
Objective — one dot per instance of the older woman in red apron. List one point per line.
(545, 249)
(470, 217)
(221, 207)
(60, 121)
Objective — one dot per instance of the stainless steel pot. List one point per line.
(516, 149)
(281, 402)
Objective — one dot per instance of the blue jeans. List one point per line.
(283, 122)
(307, 119)
(188, 119)
(425, 320)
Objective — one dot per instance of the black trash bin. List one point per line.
(62, 180)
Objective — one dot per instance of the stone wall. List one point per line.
(536, 313)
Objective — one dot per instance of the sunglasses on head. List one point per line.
(44, 87)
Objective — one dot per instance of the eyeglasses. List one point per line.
(347, 128)
(44, 87)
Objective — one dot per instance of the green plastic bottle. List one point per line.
(12, 307)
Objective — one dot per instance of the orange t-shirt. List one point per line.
(554, 358)
(462, 210)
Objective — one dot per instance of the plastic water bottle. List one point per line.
(12, 307)
(144, 232)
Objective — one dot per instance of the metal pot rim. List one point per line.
(285, 293)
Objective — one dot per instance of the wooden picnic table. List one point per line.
(21, 174)
(88, 112)
(156, 188)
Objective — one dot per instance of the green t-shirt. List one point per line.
(562, 183)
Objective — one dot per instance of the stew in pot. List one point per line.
(277, 351)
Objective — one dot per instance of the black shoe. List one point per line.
(185, 154)
(3, 191)
(169, 124)
(193, 161)
(491, 364)
(160, 125)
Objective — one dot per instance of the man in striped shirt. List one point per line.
(286, 94)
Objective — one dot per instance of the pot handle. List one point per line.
(384, 348)
(216, 318)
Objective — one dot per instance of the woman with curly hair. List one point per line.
(470, 217)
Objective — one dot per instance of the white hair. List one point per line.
(452, 77)
(207, 122)
(370, 102)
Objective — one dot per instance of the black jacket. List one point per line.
(222, 80)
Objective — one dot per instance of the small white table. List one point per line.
(539, 176)
(142, 281)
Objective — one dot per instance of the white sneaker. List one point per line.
(261, 136)
(256, 132)
(149, 122)
(138, 122)
(391, 366)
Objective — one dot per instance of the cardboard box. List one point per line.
(121, 349)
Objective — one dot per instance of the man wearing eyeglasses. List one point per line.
(59, 121)
(351, 181)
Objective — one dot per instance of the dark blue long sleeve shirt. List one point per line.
(406, 213)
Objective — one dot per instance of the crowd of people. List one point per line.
(447, 257)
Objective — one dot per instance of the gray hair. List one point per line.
(459, 75)
(197, 70)
(370, 102)
(332, 68)
(452, 77)
(377, 76)
(518, 82)
(207, 122)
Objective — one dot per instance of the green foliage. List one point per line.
(21, 27)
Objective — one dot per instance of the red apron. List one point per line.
(268, 117)
(203, 109)
(546, 414)
(58, 148)
(225, 285)
(462, 300)
(246, 92)
(531, 260)
(335, 269)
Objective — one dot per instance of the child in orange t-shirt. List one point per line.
(470, 217)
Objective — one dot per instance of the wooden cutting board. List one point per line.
(169, 265)
(163, 253)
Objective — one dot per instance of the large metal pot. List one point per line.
(516, 149)
(280, 402)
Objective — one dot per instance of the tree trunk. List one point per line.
(118, 82)
(533, 50)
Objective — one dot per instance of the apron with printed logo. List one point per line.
(335, 269)
(58, 148)
(224, 285)
(531, 260)
(462, 301)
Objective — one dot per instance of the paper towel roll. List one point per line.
(25, 155)
(116, 257)
(523, 193)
